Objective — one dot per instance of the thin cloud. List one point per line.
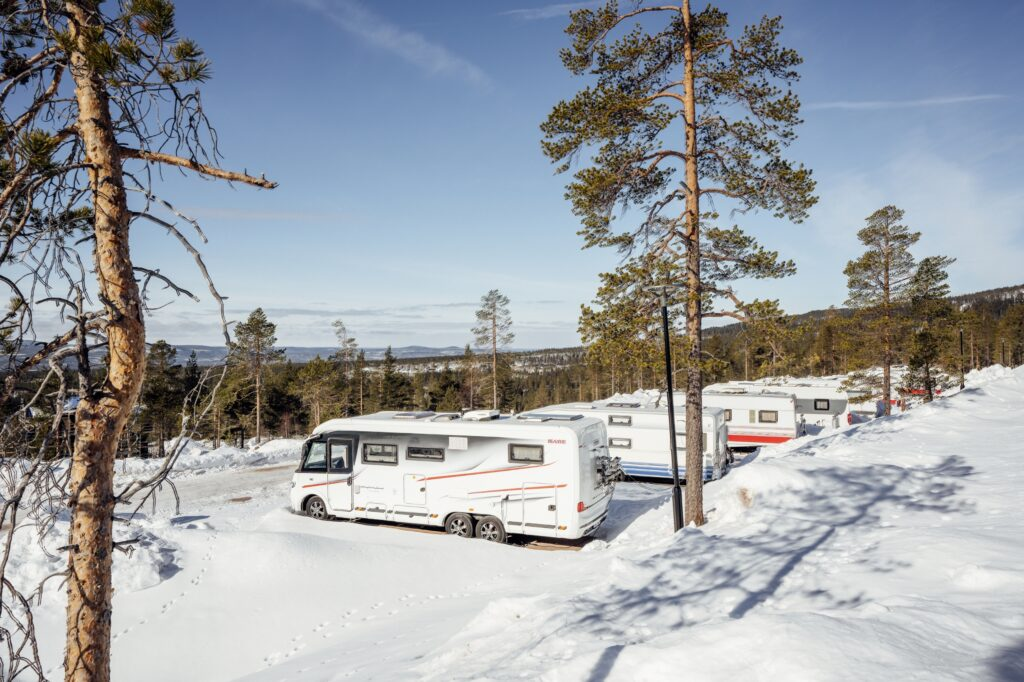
(250, 215)
(412, 47)
(547, 11)
(878, 105)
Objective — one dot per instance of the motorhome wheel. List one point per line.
(490, 529)
(316, 509)
(460, 524)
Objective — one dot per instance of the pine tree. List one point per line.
(348, 349)
(252, 350)
(494, 331)
(879, 281)
(931, 313)
(317, 387)
(96, 99)
(395, 387)
(678, 88)
(468, 377)
(357, 387)
(163, 391)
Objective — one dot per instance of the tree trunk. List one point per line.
(694, 508)
(102, 413)
(887, 321)
(494, 359)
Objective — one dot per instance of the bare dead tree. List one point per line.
(94, 105)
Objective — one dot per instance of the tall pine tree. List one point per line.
(493, 331)
(879, 282)
(678, 88)
(252, 350)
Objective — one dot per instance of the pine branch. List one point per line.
(212, 171)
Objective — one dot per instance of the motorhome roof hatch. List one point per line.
(481, 415)
(545, 416)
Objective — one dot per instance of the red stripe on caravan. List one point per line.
(489, 471)
(316, 485)
(507, 490)
(758, 439)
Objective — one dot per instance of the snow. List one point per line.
(888, 550)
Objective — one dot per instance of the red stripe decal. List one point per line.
(737, 438)
(316, 485)
(489, 471)
(506, 490)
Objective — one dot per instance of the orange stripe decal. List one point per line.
(316, 485)
(506, 490)
(489, 471)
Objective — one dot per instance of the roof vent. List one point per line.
(445, 417)
(622, 404)
(411, 415)
(547, 416)
(481, 415)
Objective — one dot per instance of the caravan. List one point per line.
(755, 416)
(639, 435)
(818, 405)
(479, 474)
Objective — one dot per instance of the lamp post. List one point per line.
(663, 292)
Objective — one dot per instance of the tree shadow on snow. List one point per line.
(701, 577)
(1008, 664)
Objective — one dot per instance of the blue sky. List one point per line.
(404, 136)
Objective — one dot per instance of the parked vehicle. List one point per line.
(818, 405)
(479, 473)
(639, 434)
(755, 416)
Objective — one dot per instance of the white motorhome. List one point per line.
(479, 474)
(639, 435)
(755, 416)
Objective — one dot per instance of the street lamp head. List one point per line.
(663, 291)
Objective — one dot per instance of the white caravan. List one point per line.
(755, 416)
(476, 474)
(818, 405)
(639, 435)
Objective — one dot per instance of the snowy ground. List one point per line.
(888, 550)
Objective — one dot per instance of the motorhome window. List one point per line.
(821, 405)
(380, 453)
(525, 453)
(704, 441)
(728, 415)
(432, 454)
(340, 459)
(768, 416)
(625, 443)
(316, 457)
(620, 420)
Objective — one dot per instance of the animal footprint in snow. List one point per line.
(378, 605)
(322, 625)
(391, 613)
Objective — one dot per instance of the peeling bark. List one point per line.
(694, 503)
(103, 411)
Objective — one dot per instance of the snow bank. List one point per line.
(199, 457)
(890, 550)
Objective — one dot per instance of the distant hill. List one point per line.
(994, 301)
(212, 355)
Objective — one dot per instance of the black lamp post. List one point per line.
(663, 292)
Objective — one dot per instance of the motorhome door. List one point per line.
(340, 454)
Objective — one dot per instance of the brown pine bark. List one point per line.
(693, 511)
(103, 412)
(887, 333)
(494, 360)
